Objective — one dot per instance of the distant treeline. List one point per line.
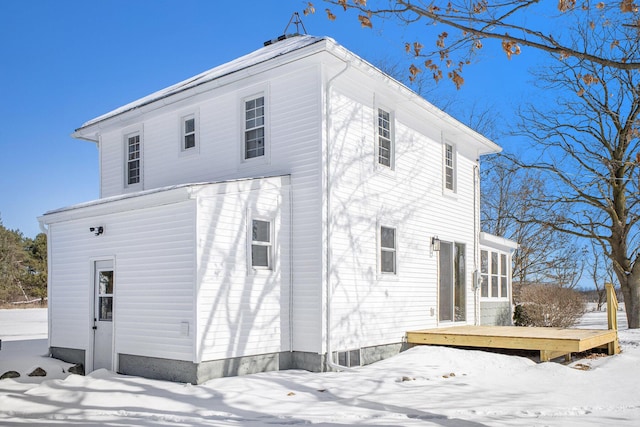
(23, 266)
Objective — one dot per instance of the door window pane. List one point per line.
(106, 282)
(105, 309)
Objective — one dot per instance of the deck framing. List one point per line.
(550, 342)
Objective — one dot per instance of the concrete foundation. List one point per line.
(69, 355)
(194, 373)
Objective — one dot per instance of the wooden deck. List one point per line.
(550, 342)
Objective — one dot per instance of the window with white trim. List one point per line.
(254, 128)
(388, 258)
(133, 159)
(261, 244)
(449, 167)
(494, 279)
(385, 138)
(189, 133)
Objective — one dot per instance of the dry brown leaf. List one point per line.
(417, 47)
(628, 6)
(365, 21)
(309, 9)
(330, 15)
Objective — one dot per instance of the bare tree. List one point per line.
(463, 27)
(588, 146)
(600, 273)
(509, 195)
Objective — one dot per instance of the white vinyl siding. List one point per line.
(362, 200)
(242, 313)
(154, 255)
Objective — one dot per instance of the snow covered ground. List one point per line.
(426, 386)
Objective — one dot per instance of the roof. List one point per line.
(269, 53)
(264, 54)
(156, 197)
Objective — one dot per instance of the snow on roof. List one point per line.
(273, 50)
(154, 191)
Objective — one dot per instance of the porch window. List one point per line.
(388, 250)
(261, 244)
(494, 267)
(484, 274)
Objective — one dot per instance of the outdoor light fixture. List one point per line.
(97, 230)
(435, 244)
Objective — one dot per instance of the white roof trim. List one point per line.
(497, 242)
(257, 57)
(158, 197)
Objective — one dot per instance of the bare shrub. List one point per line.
(549, 306)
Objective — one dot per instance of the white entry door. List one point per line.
(103, 315)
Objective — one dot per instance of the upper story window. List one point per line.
(133, 159)
(385, 138)
(388, 259)
(449, 167)
(254, 132)
(493, 274)
(189, 133)
(261, 244)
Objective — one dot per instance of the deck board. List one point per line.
(550, 342)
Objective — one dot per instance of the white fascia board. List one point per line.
(497, 242)
(116, 204)
(159, 197)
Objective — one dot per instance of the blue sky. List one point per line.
(65, 62)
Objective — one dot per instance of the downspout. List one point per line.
(44, 229)
(476, 245)
(329, 359)
(290, 266)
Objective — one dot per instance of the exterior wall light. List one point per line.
(435, 244)
(97, 230)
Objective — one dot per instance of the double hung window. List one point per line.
(261, 244)
(388, 258)
(189, 132)
(133, 159)
(254, 128)
(385, 138)
(449, 168)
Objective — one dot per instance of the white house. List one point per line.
(293, 208)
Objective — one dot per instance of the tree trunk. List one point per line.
(631, 293)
